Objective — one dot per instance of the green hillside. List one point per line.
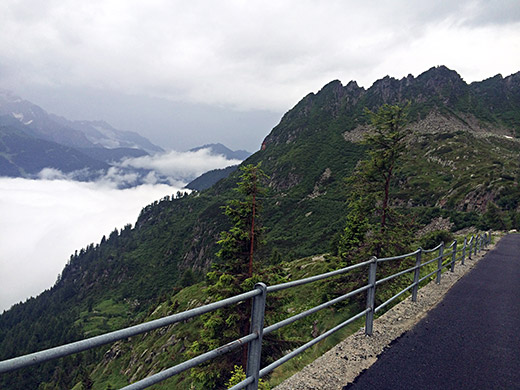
(462, 157)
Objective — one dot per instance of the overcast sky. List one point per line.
(182, 72)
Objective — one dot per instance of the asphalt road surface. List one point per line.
(471, 340)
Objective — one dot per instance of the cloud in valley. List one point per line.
(173, 168)
(180, 166)
(44, 221)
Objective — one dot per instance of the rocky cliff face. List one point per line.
(439, 89)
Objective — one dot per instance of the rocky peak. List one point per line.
(440, 77)
(513, 81)
(439, 88)
(388, 89)
(353, 86)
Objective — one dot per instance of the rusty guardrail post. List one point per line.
(371, 296)
(254, 351)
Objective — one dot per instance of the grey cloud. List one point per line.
(495, 13)
(39, 229)
(237, 55)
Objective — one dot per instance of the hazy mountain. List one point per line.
(33, 139)
(70, 133)
(102, 134)
(210, 178)
(24, 155)
(464, 155)
(225, 151)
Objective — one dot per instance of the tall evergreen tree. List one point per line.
(386, 146)
(373, 226)
(232, 274)
(237, 245)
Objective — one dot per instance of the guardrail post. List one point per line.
(470, 247)
(371, 296)
(254, 351)
(464, 250)
(476, 246)
(416, 275)
(439, 263)
(480, 242)
(453, 256)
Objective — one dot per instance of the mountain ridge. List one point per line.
(56, 142)
(70, 133)
(438, 87)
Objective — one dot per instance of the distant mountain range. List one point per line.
(32, 139)
(78, 134)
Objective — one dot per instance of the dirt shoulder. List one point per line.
(344, 362)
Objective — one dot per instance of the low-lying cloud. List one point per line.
(173, 168)
(180, 166)
(44, 221)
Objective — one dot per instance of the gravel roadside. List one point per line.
(358, 352)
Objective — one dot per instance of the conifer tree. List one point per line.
(232, 274)
(373, 226)
(237, 245)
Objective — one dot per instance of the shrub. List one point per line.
(238, 375)
(432, 239)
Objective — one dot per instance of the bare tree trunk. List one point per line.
(250, 274)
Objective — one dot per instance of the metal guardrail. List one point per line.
(259, 296)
